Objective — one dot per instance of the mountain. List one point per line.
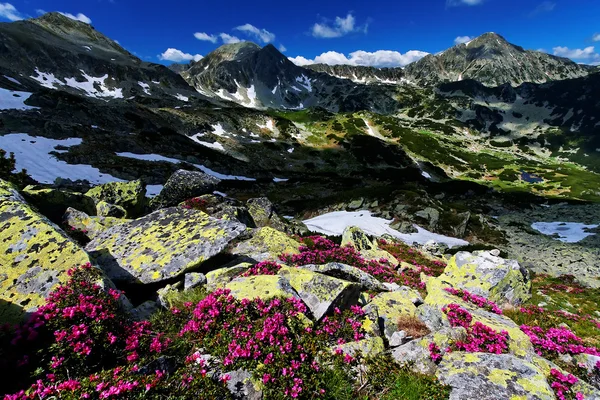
(493, 61)
(56, 52)
(259, 77)
(362, 74)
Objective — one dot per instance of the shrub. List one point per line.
(479, 301)
(8, 170)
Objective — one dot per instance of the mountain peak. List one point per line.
(57, 19)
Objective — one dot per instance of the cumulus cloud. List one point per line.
(261, 34)
(587, 55)
(380, 58)
(462, 39)
(206, 37)
(228, 39)
(9, 12)
(596, 37)
(77, 17)
(176, 55)
(340, 27)
(456, 3)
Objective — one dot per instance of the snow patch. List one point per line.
(305, 82)
(215, 145)
(335, 223)
(277, 180)
(218, 130)
(426, 174)
(33, 154)
(220, 193)
(47, 80)
(145, 86)
(88, 48)
(268, 125)
(290, 150)
(568, 232)
(89, 86)
(13, 100)
(181, 97)
(13, 80)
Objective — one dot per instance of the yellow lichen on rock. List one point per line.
(267, 244)
(264, 287)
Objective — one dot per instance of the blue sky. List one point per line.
(375, 32)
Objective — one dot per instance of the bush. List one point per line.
(8, 167)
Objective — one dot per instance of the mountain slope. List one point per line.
(56, 52)
(362, 74)
(493, 61)
(264, 78)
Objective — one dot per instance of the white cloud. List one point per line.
(78, 17)
(261, 34)
(228, 39)
(596, 37)
(282, 48)
(455, 3)
(178, 56)
(206, 37)
(39, 11)
(462, 39)
(380, 58)
(582, 54)
(9, 12)
(341, 26)
(543, 7)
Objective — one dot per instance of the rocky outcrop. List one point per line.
(349, 273)
(162, 245)
(129, 195)
(54, 202)
(183, 185)
(90, 227)
(263, 287)
(390, 307)
(267, 244)
(368, 248)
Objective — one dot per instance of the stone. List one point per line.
(355, 204)
(267, 244)
(369, 249)
(485, 376)
(369, 347)
(183, 185)
(264, 287)
(193, 280)
(461, 228)
(263, 213)
(391, 306)
(398, 339)
(431, 215)
(104, 209)
(89, 226)
(35, 255)
(481, 273)
(432, 317)
(129, 195)
(348, 273)
(321, 293)
(145, 311)
(220, 277)
(240, 385)
(54, 202)
(161, 245)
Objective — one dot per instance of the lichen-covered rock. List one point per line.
(89, 226)
(263, 213)
(369, 347)
(267, 244)
(241, 386)
(390, 307)
(220, 277)
(129, 195)
(222, 208)
(161, 245)
(104, 209)
(348, 273)
(264, 287)
(368, 248)
(431, 215)
(499, 280)
(54, 202)
(193, 280)
(518, 342)
(34, 256)
(485, 376)
(184, 185)
(589, 392)
(321, 293)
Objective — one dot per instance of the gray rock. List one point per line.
(193, 280)
(432, 317)
(369, 347)
(415, 356)
(485, 376)
(241, 387)
(145, 311)
(220, 277)
(263, 214)
(398, 339)
(129, 195)
(431, 215)
(161, 245)
(104, 209)
(349, 273)
(183, 185)
(355, 204)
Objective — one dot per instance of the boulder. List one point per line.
(223, 208)
(369, 249)
(264, 287)
(35, 255)
(240, 385)
(348, 273)
(184, 185)
(104, 209)
(485, 376)
(355, 204)
(161, 245)
(263, 213)
(220, 277)
(145, 311)
(481, 273)
(391, 306)
(431, 215)
(89, 226)
(369, 347)
(267, 244)
(54, 202)
(321, 293)
(193, 280)
(129, 195)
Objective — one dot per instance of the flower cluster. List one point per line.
(562, 385)
(480, 337)
(195, 203)
(263, 268)
(435, 353)
(479, 301)
(555, 341)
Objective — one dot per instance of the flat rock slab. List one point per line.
(348, 273)
(34, 256)
(264, 287)
(161, 245)
(321, 293)
(485, 376)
